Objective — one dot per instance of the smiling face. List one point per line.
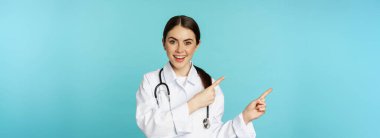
(180, 45)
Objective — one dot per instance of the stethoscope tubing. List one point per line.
(206, 123)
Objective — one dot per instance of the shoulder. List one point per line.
(152, 76)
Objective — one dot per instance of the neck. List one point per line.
(183, 72)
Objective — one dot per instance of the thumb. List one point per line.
(254, 103)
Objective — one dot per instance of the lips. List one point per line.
(179, 58)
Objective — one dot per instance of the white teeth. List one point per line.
(179, 56)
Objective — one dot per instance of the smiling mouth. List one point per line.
(179, 58)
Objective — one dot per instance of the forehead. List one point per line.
(181, 33)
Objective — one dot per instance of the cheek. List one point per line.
(169, 51)
(191, 52)
(167, 48)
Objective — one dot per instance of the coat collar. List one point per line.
(170, 75)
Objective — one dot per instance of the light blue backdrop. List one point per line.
(72, 68)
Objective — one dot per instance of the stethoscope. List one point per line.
(206, 121)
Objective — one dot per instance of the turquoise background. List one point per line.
(72, 68)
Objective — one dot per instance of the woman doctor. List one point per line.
(179, 100)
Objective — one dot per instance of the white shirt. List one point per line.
(159, 121)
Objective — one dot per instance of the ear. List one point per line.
(163, 43)
(198, 44)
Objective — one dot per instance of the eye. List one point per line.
(171, 42)
(187, 43)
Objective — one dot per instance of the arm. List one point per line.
(242, 125)
(232, 128)
(213, 96)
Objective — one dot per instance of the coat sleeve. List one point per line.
(159, 122)
(231, 128)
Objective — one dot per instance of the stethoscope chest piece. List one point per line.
(206, 123)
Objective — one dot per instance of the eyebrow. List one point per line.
(177, 39)
(172, 38)
(188, 39)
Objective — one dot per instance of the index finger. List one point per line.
(216, 83)
(266, 93)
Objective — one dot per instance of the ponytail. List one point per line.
(206, 79)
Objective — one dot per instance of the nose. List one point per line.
(180, 48)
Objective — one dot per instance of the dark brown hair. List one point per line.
(184, 21)
(189, 23)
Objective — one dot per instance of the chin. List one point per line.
(178, 65)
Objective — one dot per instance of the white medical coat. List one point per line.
(158, 121)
